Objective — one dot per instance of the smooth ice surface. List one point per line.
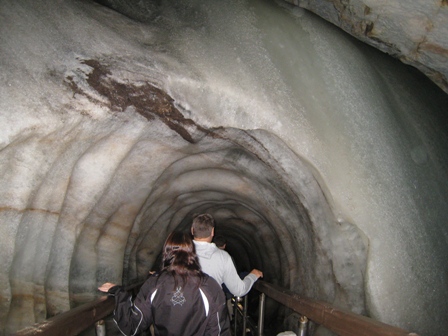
(330, 169)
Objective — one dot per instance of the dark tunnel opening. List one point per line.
(275, 217)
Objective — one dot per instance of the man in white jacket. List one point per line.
(216, 262)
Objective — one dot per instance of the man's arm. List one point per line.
(235, 285)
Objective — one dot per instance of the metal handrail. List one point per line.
(341, 322)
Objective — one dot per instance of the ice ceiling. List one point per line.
(323, 160)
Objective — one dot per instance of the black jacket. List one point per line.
(174, 310)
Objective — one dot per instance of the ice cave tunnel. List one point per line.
(323, 159)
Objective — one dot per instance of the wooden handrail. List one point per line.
(74, 321)
(77, 319)
(342, 322)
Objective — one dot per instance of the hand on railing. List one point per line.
(106, 286)
(257, 273)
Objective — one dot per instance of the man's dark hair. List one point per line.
(202, 226)
(220, 241)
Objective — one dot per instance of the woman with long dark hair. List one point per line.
(179, 300)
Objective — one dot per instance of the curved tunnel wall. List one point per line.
(125, 191)
(321, 181)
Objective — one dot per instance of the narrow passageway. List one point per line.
(322, 159)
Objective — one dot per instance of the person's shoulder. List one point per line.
(148, 286)
(160, 281)
(222, 253)
(152, 278)
(155, 279)
(163, 277)
(216, 253)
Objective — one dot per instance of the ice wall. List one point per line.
(291, 133)
(413, 31)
